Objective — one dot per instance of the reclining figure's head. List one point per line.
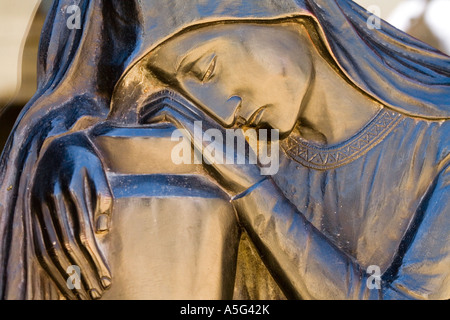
(242, 74)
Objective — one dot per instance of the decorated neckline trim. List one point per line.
(330, 157)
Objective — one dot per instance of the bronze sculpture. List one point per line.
(363, 178)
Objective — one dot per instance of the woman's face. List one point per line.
(252, 75)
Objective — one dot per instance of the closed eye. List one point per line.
(210, 70)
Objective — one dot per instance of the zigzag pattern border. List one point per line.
(325, 158)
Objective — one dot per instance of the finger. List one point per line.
(160, 116)
(86, 238)
(169, 115)
(101, 199)
(202, 141)
(55, 247)
(88, 273)
(46, 261)
(179, 103)
(184, 122)
(210, 148)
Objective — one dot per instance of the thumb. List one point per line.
(103, 202)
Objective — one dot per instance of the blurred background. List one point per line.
(21, 23)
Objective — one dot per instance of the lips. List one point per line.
(256, 117)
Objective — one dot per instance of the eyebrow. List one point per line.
(188, 64)
(185, 61)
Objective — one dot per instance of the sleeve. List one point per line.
(424, 272)
(307, 265)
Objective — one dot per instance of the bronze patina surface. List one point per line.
(357, 208)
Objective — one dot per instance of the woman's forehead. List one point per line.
(223, 35)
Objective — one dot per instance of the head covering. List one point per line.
(396, 69)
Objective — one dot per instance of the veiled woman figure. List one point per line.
(362, 113)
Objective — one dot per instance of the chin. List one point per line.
(283, 125)
(284, 134)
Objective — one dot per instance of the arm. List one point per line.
(308, 266)
(303, 261)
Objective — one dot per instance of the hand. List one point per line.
(69, 193)
(225, 168)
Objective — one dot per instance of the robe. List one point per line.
(382, 198)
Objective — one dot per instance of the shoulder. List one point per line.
(429, 138)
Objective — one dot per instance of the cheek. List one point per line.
(282, 82)
(295, 88)
(281, 118)
(284, 112)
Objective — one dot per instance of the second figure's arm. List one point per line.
(308, 266)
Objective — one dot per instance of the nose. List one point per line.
(230, 111)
